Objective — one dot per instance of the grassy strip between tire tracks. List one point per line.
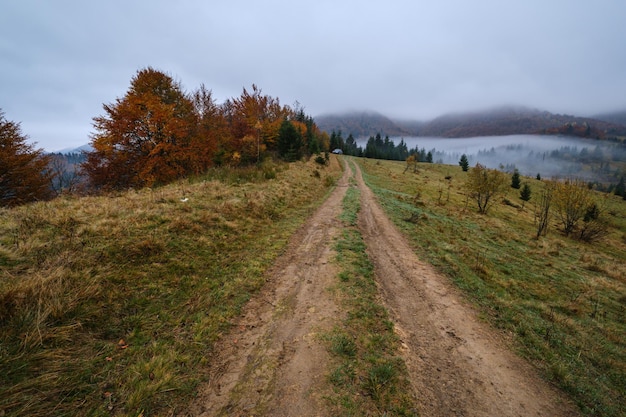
(367, 376)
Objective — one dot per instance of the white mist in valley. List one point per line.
(550, 156)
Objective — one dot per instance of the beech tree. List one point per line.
(483, 184)
(156, 133)
(255, 120)
(212, 136)
(145, 137)
(572, 199)
(24, 174)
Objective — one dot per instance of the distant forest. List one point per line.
(603, 167)
(379, 148)
(66, 171)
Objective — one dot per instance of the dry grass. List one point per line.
(111, 304)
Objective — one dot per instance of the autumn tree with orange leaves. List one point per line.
(211, 136)
(157, 133)
(254, 120)
(24, 174)
(146, 137)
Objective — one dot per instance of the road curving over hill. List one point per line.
(273, 364)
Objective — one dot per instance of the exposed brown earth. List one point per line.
(457, 364)
(274, 364)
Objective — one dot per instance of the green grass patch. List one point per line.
(112, 304)
(562, 300)
(367, 376)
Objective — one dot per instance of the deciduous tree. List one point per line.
(24, 176)
(483, 184)
(145, 137)
(593, 227)
(66, 176)
(255, 120)
(572, 199)
(543, 209)
(212, 133)
(411, 162)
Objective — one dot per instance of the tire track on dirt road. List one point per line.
(272, 362)
(457, 364)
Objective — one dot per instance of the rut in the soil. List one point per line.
(458, 366)
(273, 364)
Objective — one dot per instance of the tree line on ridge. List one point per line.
(157, 133)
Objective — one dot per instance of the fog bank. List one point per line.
(550, 156)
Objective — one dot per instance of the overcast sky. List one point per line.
(61, 60)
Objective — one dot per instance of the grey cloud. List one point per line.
(62, 60)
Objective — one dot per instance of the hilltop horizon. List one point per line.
(489, 121)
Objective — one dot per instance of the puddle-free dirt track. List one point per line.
(273, 363)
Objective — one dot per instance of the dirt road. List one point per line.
(272, 364)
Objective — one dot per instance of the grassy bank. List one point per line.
(561, 301)
(111, 305)
(367, 376)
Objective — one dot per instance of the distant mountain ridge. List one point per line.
(509, 120)
(84, 148)
(361, 124)
(614, 117)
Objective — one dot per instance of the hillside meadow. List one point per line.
(559, 302)
(112, 304)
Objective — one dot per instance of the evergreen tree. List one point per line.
(311, 138)
(378, 141)
(429, 157)
(539, 176)
(422, 155)
(620, 188)
(525, 194)
(402, 151)
(289, 141)
(464, 163)
(516, 181)
(350, 146)
(336, 141)
(371, 149)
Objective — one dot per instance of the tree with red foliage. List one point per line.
(146, 137)
(157, 133)
(212, 132)
(24, 176)
(254, 120)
